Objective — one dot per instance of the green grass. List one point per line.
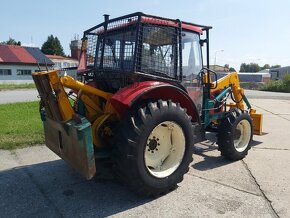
(20, 125)
(17, 86)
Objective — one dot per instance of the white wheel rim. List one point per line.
(164, 149)
(242, 135)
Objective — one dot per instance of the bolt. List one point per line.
(148, 150)
(157, 139)
(152, 151)
(156, 149)
(158, 144)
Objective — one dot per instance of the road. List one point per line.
(19, 95)
(25, 95)
(36, 183)
(267, 95)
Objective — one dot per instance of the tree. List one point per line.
(275, 66)
(232, 69)
(252, 67)
(228, 68)
(52, 46)
(266, 66)
(243, 67)
(11, 41)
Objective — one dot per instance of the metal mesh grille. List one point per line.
(119, 49)
(115, 48)
(91, 50)
(122, 23)
(159, 46)
(115, 44)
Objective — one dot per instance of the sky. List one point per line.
(246, 30)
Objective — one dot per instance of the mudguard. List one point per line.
(127, 97)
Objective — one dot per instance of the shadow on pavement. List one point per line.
(206, 150)
(209, 161)
(53, 189)
(255, 143)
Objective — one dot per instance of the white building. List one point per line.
(61, 62)
(17, 63)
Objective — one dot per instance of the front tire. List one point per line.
(153, 148)
(235, 135)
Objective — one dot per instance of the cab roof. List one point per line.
(130, 19)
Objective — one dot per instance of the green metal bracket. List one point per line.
(245, 99)
(209, 105)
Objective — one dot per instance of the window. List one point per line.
(5, 72)
(191, 54)
(191, 66)
(23, 72)
(159, 50)
(58, 64)
(119, 49)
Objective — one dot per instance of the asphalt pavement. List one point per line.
(18, 95)
(34, 182)
(25, 95)
(267, 95)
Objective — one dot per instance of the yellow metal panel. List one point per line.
(95, 129)
(258, 123)
(64, 105)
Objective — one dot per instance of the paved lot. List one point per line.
(24, 95)
(34, 182)
(267, 95)
(19, 95)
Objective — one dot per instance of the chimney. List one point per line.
(75, 47)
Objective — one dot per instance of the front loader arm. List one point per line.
(231, 83)
(232, 80)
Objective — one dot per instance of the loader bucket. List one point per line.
(72, 141)
(257, 122)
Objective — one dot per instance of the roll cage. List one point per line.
(138, 43)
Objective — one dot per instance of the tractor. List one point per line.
(143, 98)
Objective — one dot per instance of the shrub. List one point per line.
(278, 85)
(286, 81)
(251, 85)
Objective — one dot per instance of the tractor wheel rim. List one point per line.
(165, 149)
(242, 141)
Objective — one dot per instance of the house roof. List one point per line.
(14, 54)
(58, 57)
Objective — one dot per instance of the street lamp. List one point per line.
(215, 57)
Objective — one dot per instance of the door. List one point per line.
(191, 67)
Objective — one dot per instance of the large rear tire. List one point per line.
(235, 135)
(153, 148)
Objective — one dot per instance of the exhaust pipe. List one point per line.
(106, 17)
